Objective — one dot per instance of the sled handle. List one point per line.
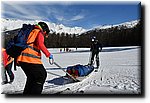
(51, 61)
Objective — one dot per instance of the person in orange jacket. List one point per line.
(6, 68)
(30, 59)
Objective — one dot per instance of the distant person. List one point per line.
(30, 59)
(7, 62)
(67, 49)
(95, 48)
(64, 49)
(60, 49)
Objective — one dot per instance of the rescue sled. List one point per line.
(80, 71)
(74, 74)
(77, 72)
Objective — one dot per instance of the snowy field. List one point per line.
(119, 73)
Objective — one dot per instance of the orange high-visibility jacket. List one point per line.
(6, 58)
(32, 54)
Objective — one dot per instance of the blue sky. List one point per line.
(81, 14)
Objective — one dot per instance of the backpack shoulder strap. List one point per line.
(32, 36)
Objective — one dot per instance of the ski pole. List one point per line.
(76, 80)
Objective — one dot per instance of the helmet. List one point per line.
(93, 39)
(44, 26)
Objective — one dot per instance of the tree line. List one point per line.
(115, 36)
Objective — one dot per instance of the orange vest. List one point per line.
(31, 54)
(10, 60)
(5, 58)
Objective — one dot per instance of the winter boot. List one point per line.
(4, 82)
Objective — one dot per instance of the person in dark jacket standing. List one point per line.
(96, 47)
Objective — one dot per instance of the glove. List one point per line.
(51, 60)
(51, 56)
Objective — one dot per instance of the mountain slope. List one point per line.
(11, 24)
(124, 25)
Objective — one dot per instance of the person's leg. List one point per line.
(4, 76)
(9, 72)
(28, 85)
(97, 60)
(36, 75)
(26, 68)
(40, 75)
(92, 58)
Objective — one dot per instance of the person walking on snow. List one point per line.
(30, 59)
(95, 48)
(6, 67)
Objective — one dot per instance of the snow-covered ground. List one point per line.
(119, 73)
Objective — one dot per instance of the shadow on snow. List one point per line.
(60, 81)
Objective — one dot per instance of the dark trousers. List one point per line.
(36, 76)
(8, 69)
(97, 58)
